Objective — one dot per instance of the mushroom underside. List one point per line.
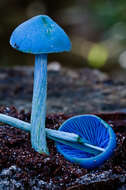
(92, 130)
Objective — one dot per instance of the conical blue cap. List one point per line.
(40, 34)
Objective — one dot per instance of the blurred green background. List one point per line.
(97, 29)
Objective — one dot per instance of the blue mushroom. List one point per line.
(86, 139)
(39, 35)
(93, 132)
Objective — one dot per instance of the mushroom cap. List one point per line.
(38, 35)
(94, 130)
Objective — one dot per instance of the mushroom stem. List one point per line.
(70, 139)
(38, 134)
(15, 122)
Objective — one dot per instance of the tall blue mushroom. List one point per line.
(39, 35)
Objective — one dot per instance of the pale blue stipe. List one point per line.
(38, 115)
(70, 139)
(15, 122)
(97, 132)
(40, 34)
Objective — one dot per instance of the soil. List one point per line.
(23, 168)
(69, 93)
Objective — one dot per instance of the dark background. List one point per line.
(97, 29)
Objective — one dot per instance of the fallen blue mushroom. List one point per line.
(93, 132)
(39, 35)
(67, 138)
(86, 139)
